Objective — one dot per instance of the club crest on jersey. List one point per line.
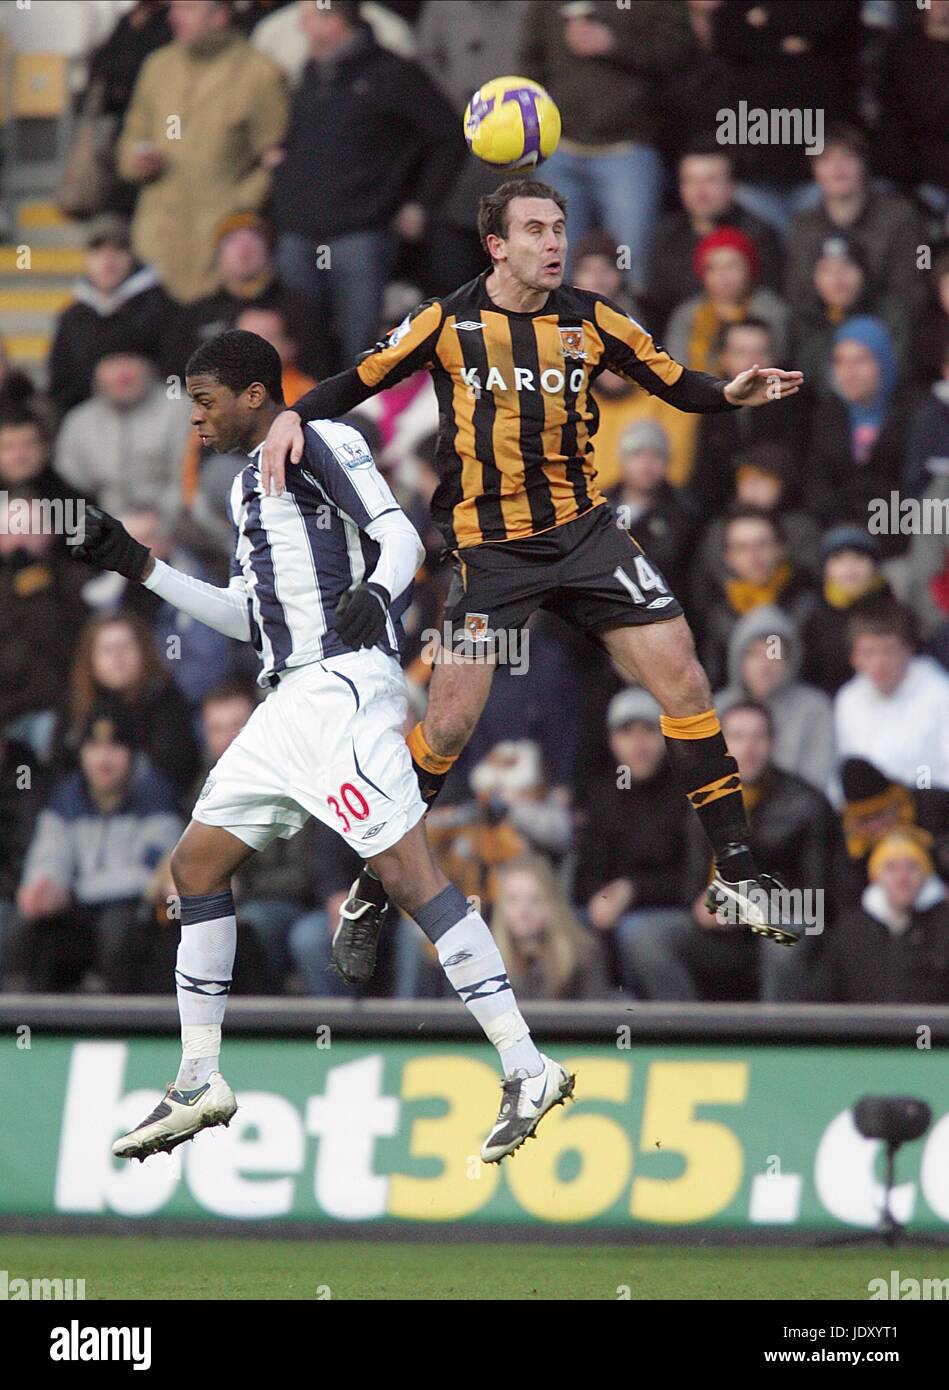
(476, 627)
(571, 343)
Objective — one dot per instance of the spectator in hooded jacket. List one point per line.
(119, 306)
(875, 805)
(96, 847)
(370, 152)
(850, 576)
(894, 947)
(247, 278)
(794, 830)
(757, 570)
(764, 664)
(858, 434)
(895, 710)
(648, 507)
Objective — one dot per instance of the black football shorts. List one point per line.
(589, 572)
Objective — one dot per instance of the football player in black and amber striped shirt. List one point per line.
(513, 355)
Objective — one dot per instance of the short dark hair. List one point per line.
(742, 512)
(721, 337)
(237, 359)
(493, 208)
(706, 147)
(233, 689)
(883, 617)
(18, 417)
(756, 707)
(850, 136)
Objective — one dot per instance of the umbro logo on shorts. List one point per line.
(370, 834)
(660, 602)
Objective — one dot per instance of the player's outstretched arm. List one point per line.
(106, 544)
(761, 385)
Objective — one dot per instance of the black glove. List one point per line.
(360, 617)
(108, 545)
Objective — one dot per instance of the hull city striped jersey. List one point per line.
(295, 555)
(517, 418)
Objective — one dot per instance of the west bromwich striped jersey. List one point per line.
(295, 555)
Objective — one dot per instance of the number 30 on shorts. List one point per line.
(354, 801)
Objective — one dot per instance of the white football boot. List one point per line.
(177, 1117)
(525, 1101)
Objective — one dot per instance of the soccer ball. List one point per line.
(512, 123)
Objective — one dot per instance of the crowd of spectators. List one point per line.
(299, 170)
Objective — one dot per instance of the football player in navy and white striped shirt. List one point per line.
(321, 575)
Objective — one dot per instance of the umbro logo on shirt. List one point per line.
(468, 325)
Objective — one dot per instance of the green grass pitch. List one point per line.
(141, 1267)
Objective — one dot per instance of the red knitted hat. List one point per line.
(726, 236)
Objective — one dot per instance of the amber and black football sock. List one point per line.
(709, 773)
(431, 768)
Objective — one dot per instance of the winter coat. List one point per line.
(613, 98)
(229, 106)
(637, 832)
(368, 133)
(132, 318)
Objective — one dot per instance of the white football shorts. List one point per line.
(326, 742)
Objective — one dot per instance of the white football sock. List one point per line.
(203, 981)
(475, 970)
